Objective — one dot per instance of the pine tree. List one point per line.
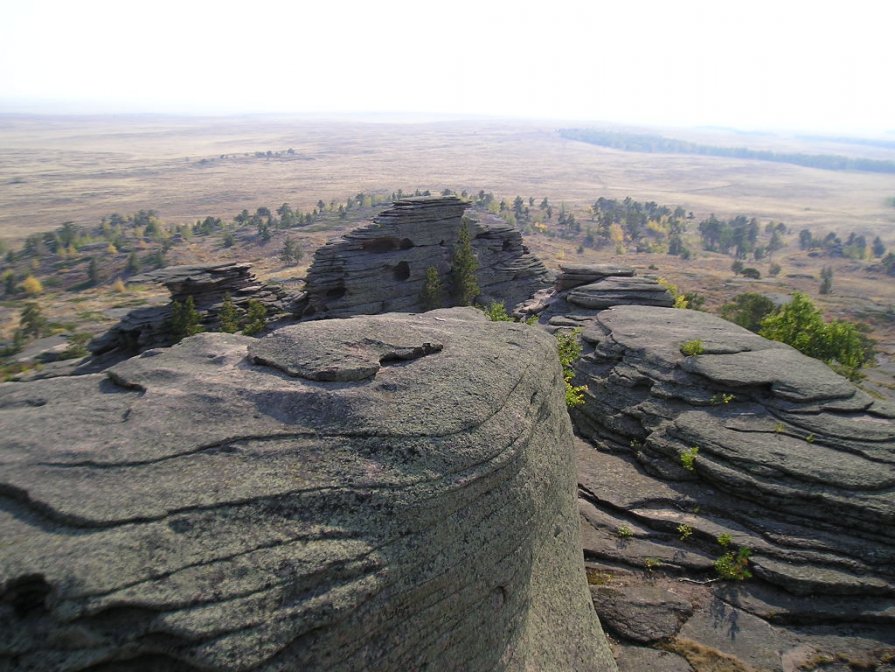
(826, 280)
(464, 283)
(93, 272)
(292, 252)
(431, 295)
(133, 263)
(32, 322)
(228, 316)
(256, 318)
(185, 319)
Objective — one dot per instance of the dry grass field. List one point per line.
(57, 169)
(54, 170)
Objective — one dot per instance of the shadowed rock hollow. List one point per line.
(382, 267)
(379, 493)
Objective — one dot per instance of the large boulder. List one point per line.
(379, 493)
(382, 267)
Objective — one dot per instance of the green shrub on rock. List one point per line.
(256, 318)
(569, 347)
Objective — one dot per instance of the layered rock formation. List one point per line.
(382, 267)
(747, 445)
(380, 493)
(206, 284)
(581, 290)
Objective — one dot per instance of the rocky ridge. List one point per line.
(378, 493)
(382, 267)
(206, 284)
(750, 443)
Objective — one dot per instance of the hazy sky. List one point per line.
(821, 65)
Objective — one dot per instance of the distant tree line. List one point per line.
(636, 142)
(123, 245)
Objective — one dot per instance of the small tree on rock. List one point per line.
(431, 296)
(185, 319)
(465, 265)
(256, 318)
(228, 316)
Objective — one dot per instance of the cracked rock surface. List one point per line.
(215, 506)
(788, 460)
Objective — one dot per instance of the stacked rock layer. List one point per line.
(382, 267)
(746, 449)
(379, 493)
(206, 284)
(581, 290)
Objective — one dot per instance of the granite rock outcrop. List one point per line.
(207, 284)
(389, 492)
(381, 268)
(746, 447)
(581, 290)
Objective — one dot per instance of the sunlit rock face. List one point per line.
(380, 493)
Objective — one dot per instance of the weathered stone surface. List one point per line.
(582, 290)
(145, 328)
(573, 275)
(642, 659)
(615, 291)
(194, 508)
(791, 462)
(382, 267)
(741, 635)
(641, 614)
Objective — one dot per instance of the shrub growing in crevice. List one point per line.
(569, 347)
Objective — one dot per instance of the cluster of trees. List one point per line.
(647, 227)
(854, 247)
(843, 345)
(739, 236)
(638, 142)
(269, 154)
(186, 320)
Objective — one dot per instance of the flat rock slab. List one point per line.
(614, 291)
(200, 508)
(324, 351)
(642, 659)
(574, 275)
(741, 635)
(641, 614)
